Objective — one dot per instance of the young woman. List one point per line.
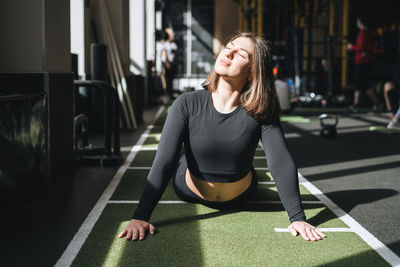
(220, 129)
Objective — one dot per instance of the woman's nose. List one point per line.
(229, 54)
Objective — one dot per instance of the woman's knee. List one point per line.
(388, 86)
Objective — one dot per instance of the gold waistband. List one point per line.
(216, 191)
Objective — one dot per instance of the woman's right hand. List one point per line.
(137, 229)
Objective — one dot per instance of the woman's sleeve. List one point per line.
(165, 161)
(283, 170)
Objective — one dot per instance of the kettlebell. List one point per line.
(328, 130)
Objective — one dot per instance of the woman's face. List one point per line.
(233, 62)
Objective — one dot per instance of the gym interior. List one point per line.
(82, 105)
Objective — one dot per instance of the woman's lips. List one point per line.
(224, 63)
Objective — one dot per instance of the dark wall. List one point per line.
(36, 136)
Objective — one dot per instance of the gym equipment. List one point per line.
(103, 156)
(328, 125)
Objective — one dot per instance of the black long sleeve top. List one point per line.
(219, 147)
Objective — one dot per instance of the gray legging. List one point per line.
(184, 192)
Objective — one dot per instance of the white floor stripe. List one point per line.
(321, 229)
(272, 183)
(259, 157)
(137, 148)
(280, 202)
(137, 202)
(80, 237)
(183, 202)
(148, 168)
(292, 135)
(152, 135)
(369, 238)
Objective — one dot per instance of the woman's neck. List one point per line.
(227, 97)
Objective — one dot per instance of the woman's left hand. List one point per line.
(306, 230)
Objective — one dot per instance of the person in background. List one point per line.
(286, 99)
(168, 60)
(394, 123)
(364, 49)
(283, 90)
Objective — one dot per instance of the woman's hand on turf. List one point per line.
(137, 229)
(306, 230)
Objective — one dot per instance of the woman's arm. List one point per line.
(162, 170)
(284, 172)
(165, 161)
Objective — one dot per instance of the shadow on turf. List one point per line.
(369, 256)
(348, 199)
(352, 171)
(310, 150)
(323, 216)
(395, 247)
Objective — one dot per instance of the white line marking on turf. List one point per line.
(280, 202)
(259, 157)
(148, 168)
(137, 202)
(183, 202)
(280, 230)
(273, 182)
(80, 237)
(137, 148)
(369, 238)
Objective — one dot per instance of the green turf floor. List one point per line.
(383, 130)
(294, 119)
(194, 235)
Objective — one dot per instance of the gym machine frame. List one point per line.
(103, 156)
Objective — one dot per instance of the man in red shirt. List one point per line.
(364, 49)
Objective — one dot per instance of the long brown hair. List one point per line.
(258, 97)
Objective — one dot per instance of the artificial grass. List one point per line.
(194, 235)
(144, 158)
(294, 119)
(383, 130)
